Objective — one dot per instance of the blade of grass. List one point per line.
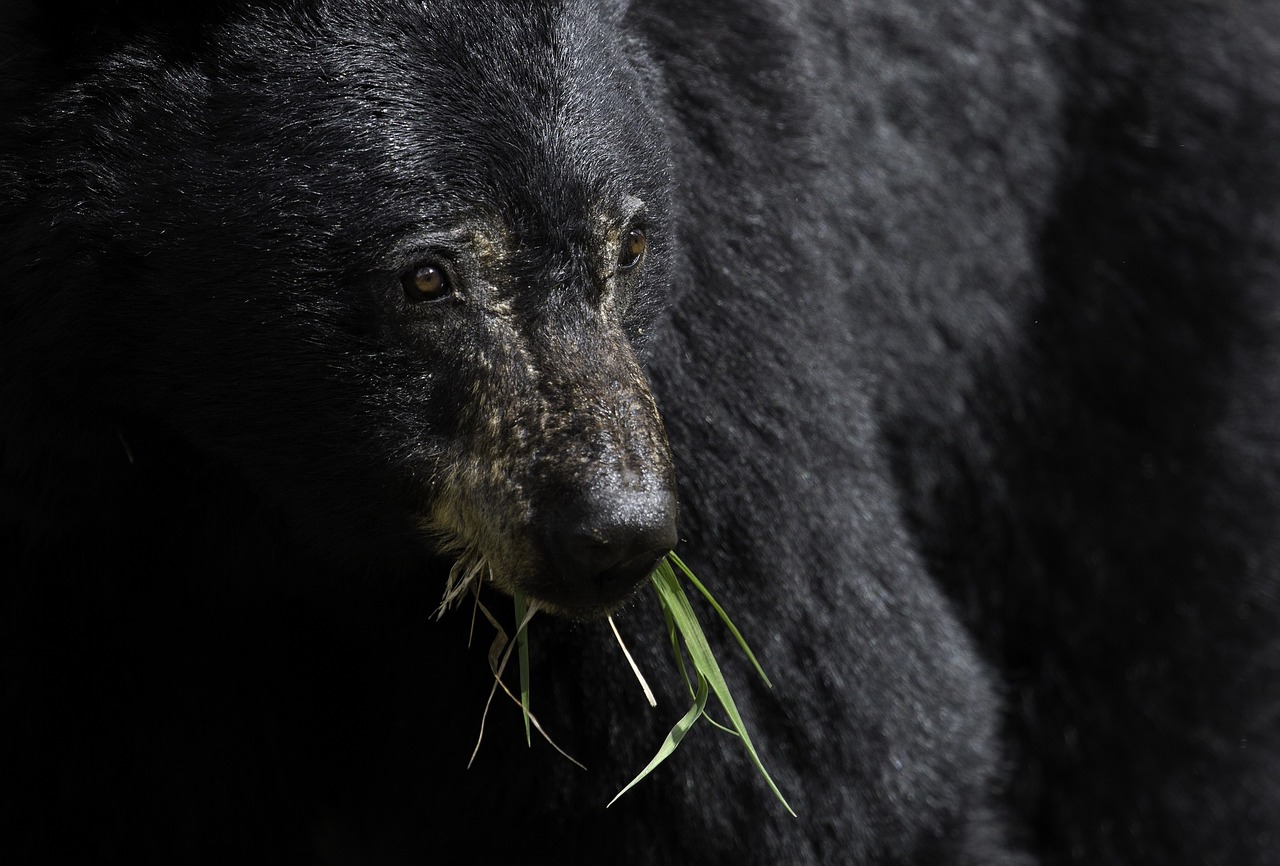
(499, 655)
(533, 718)
(704, 661)
(673, 635)
(742, 642)
(522, 645)
(499, 652)
(648, 692)
(673, 738)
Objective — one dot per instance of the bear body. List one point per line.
(947, 333)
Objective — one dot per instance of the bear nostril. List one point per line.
(614, 543)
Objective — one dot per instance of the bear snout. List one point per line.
(608, 544)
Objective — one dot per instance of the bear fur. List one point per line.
(955, 334)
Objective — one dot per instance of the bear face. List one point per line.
(478, 331)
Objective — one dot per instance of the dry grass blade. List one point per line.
(499, 656)
(648, 692)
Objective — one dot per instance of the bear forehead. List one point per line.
(498, 108)
(493, 74)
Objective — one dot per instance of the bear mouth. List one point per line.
(558, 587)
(597, 596)
(579, 551)
(575, 577)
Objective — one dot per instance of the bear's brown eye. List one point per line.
(426, 282)
(633, 247)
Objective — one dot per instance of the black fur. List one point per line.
(962, 320)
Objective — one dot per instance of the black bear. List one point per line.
(941, 339)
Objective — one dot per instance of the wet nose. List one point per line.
(613, 542)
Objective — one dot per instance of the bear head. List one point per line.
(395, 267)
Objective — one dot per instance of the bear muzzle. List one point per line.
(563, 483)
(607, 545)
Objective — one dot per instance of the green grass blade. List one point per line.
(673, 738)
(522, 647)
(704, 662)
(673, 633)
(733, 629)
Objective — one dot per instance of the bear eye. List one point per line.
(633, 247)
(426, 282)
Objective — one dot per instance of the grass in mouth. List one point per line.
(686, 637)
(683, 627)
